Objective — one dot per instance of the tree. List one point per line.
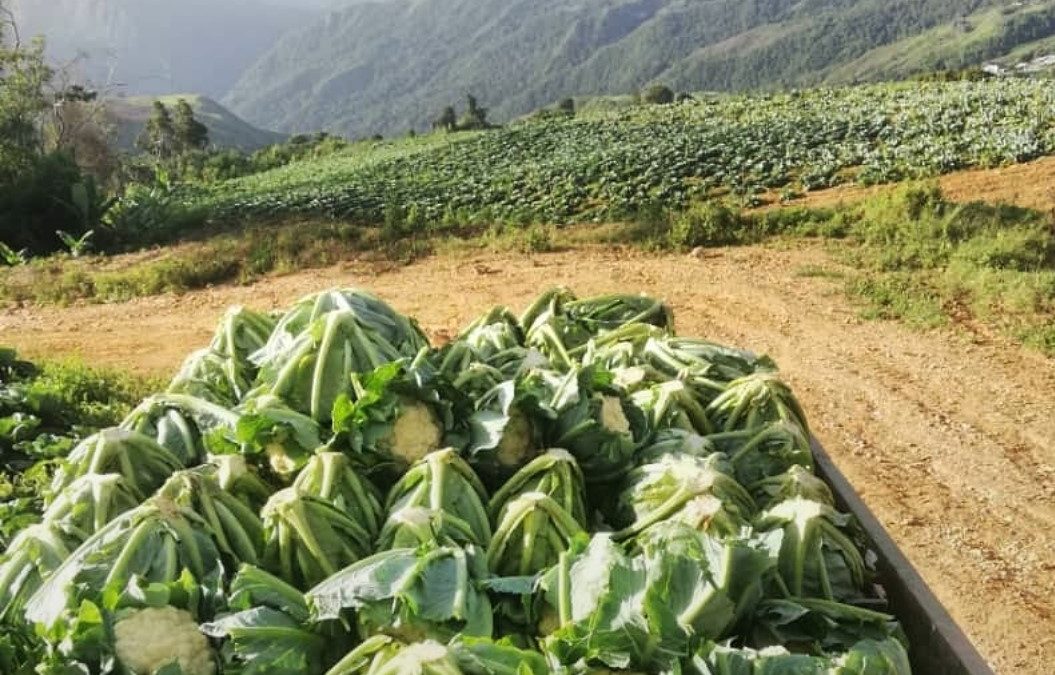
(475, 117)
(82, 129)
(159, 134)
(79, 124)
(658, 94)
(24, 78)
(190, 134)
(448, 121)
(567, 106)
(37, 183)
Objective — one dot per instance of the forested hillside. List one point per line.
(372, 68)
(361, 67)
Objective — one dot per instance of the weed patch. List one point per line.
(921, 257)
(819, 272)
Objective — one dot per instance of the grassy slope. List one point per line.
(226, 129)
(979, 37)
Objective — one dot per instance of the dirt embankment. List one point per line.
(949, 437)
(1030, 185)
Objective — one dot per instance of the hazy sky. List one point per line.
(301, 3)
(312, 3)
(316, 3)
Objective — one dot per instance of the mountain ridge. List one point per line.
(362, 67)
(384, 69)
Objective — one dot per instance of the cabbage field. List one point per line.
(607, 164)
(574, 489)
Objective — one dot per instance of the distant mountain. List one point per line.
(160, 46)
(226, 130)
(1009, 34)
(388, 67)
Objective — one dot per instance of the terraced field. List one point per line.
(608, 163)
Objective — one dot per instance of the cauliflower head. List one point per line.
(279, 460)
(517, 445)
(229, 468)
(416, 432)
(612, 416)
(148, 639)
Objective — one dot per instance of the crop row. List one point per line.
(606, 164)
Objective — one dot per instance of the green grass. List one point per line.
(237, 256)
(68, 392)
(929, 262)
(898, 296)
(45, 408)
(819, 272)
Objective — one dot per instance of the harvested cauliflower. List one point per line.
(151, 638)
(612, 415)
(416, 432)
(230, 469)
(517, 445)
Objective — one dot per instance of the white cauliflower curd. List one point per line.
(279, 460)
(230, 468)
(517, 443)
(416, 431)
(612, 416)
(148, 639)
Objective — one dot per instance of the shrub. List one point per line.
(538, 239)
(147, 215)
(39, 201)
(705, 224)
(658, 94)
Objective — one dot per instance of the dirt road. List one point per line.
(949, 437)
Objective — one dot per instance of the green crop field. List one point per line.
(604, 164)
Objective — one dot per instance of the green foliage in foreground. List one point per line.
(604, 166)
(44, 410)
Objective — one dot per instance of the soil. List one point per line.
(1030, 185)
(948, 435)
